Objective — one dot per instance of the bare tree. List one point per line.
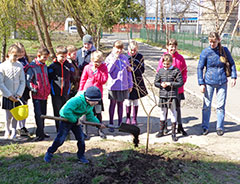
(144, 14)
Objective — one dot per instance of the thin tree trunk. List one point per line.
(144, 14)
(36, 24)
(161, 14)
(233, 33)
(4, 46)
(156, 15)
(45, 31)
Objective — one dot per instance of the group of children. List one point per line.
(75, 81)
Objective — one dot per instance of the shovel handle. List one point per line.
(64, 119)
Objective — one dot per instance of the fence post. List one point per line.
(131, 33)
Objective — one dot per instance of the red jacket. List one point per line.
(178, 62)
(93, 78)
(37, 80)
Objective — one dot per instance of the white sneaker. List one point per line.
(6, 135)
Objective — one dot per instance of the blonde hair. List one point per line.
(13, 48)
(132, 45)
(167, 58)
(60, 49)
(118, 44)
(21, 46)
(71, 48)
(96, 56)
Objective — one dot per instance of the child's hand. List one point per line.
(164, 84)
(129, 90)
(12, 98)
(102, 126)
(202, 88)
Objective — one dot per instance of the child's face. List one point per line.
(61, 57)
(92, 103)
(13, 56)
(97, 63)
(43, 58)
(117, 51)
(132, 51)
(167, 64)
(72, 55)
(87, 46)
(22, 53)
(172, 49)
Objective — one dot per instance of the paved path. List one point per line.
(191, 112)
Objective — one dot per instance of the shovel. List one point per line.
(132, 129)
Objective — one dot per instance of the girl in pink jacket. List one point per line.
(178, 62)
(95, 74)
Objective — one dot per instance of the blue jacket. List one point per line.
(77, 106)
(215, 69)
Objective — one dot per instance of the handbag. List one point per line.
(224, 60)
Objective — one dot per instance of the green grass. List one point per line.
(22, 164)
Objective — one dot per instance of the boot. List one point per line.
(134, 119)
(174, 138)
(160, 133)
(128, 111)
(181, 130)
(165, 130)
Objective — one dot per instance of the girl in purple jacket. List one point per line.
(119, 80)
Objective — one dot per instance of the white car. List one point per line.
(72, 29)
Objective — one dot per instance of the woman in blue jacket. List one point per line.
(214, 77)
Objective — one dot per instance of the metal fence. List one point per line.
(189, 41)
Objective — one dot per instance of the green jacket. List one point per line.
(76, 107)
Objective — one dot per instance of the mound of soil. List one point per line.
(128, 167)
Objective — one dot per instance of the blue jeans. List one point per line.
(40, 108)
(221, 91)
(64, 128)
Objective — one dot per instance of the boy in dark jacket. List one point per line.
(168, 79)
(76, 107)
(60, 74)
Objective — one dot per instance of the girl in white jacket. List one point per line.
(12, 84)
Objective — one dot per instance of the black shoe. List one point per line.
(23, 132)
(38, 139)
(205, 131)
(220, 132)
(174, 138)
(180, 130)
(159, 134)
(46, 136)
(101, 134)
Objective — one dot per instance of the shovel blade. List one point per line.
(132, 129)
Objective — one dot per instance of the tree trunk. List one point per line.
(36, 24)
(233, 33)
(161, 14)
(156, 15)
(144, 14)
(4, 47)
(45, 31)
(79, 26)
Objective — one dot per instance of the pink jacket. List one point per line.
(178, 62)
(93, 78)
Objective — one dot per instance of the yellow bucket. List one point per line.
(20, 112)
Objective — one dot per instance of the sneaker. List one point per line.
(23, 132)
(159, 134)
(220, 132)
(101, 134)
(38, 139)
(46, 136)
(48, 157)
(83, 160)
(111, 130)
(205, 131)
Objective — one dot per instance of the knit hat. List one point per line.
(87, 39)
(93, 94)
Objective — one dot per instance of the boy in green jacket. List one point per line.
(75, 108)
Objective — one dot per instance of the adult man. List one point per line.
(83, 54)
